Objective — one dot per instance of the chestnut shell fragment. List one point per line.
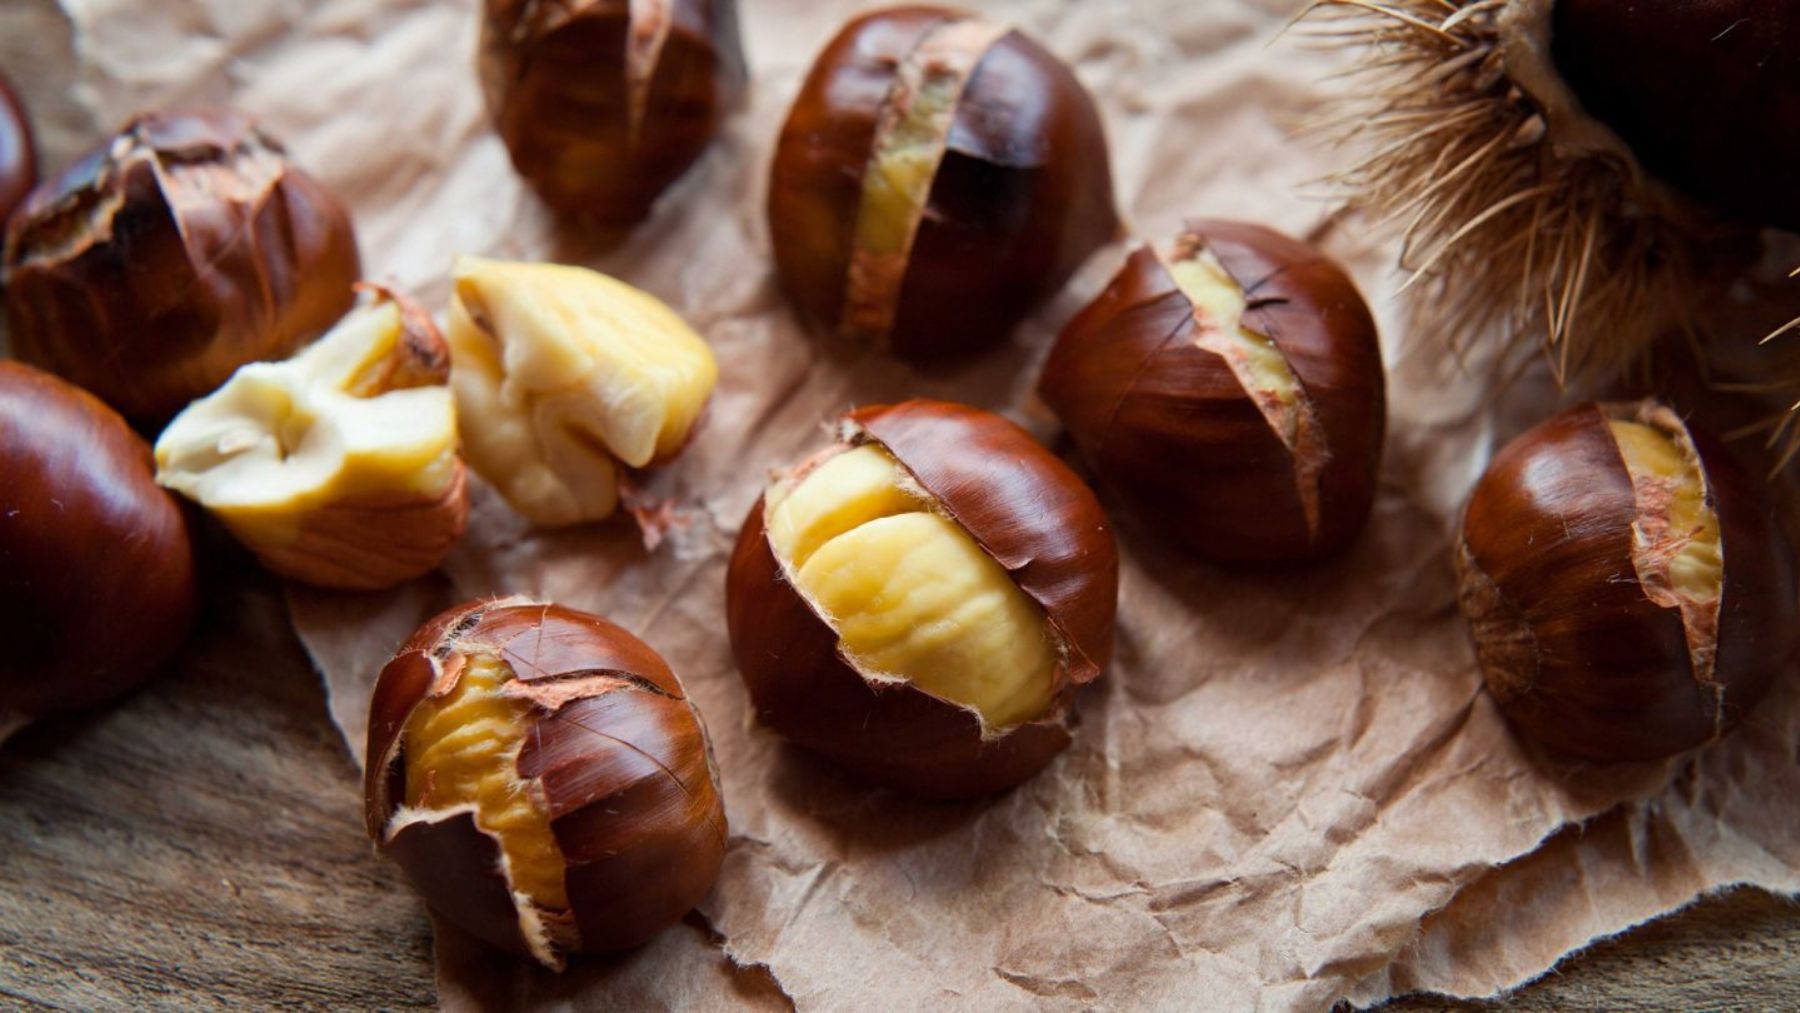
(1024, 508)
(97, 588)
(1022, 196)
(181, 248)
(592, 141)
(622, 758)
(1168, 424)
(1572, 649)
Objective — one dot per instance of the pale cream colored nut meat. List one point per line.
(337, 467)
(563, 377)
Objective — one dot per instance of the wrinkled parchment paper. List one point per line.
(1288, 789)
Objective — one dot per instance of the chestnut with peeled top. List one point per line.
(1231, 391)
(920, 601)
(96, 567)
(184, 247)
(937, 175)
(564, 378)
(338, 467)
(1629, 593)
(542, 779)
(604, 103)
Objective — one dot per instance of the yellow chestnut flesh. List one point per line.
(462, 749)
(563, 375)
(909, 593)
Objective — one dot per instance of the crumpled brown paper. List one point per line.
(1288, 789)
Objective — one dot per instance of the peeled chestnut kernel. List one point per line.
(920, 601)
(18, 155)
(604, 103)
(96, 569)
(337, 467)
(1231, 391)
(542, 779)
(181, 249)
(937, 175)
(563, 376)
(1629, 593)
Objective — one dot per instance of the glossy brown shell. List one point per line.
(556, 83)
(96, 569)
(1167, 424)
(1026, 509)
(18, 155)
(621, 755)
(1705, 92)
(1571, 648)
(151, 305)
(1023, 194)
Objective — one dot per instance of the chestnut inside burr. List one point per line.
(909, 593)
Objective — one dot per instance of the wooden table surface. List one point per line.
(225, 866)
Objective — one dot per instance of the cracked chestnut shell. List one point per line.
(96, 568)
(542, 779)
(1628, 591)
(937, 175)
(182, 248)
(1034, 523)
(604, 103)
(18, 155)
(1231, 391)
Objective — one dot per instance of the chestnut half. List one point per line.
(1231, 391)
(937, 175)
(920, 600)
(96, 568)
(180, 249)
(542, 779)
(1628, 590)
(604, 103)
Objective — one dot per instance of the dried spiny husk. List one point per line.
(182, 248)
(1021, 507)
(585, 812)
(1231, 391)
(1524, 218)
(1628, 590)
(370, 399)
(604, 103)
(936, 176)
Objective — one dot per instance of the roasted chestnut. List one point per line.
(1231, 391)
(604, 103)
(180, 249)
(542, 779)
(920, 600)
(1629, 592)
(337, 467)
(96, 569)
(937, 175)
(18, 155)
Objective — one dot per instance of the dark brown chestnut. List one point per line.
(920, 600)
(1629, 592)
(542, 779)
(937, 175)
(604, 103)
(96, 569)
(183, 247)
(1231, 391)
(18, 155)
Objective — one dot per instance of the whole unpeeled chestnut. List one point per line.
(96, 569)
(920, 600)
(937, 175)
(1231, 391)
(1629, 592)
(182, 248)
(604, 103)
(18, 155)
(542, 779)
